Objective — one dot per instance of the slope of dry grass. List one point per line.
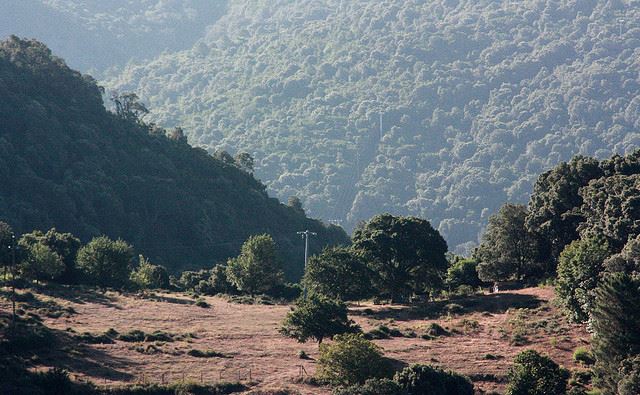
(485, 333)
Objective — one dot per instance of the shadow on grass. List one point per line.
(30, 343)
(492, 303)
(78, 294)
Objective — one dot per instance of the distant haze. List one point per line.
(477, 97)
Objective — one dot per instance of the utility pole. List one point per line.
(621, 22)
(380, 125)
(305, 235)
(13, 279)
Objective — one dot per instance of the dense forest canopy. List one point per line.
(65, 161)
(97, 35)
(442, 109)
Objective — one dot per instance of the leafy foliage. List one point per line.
(508, 250)
(317, 317)
(149, 276)
(106, 262)
(425, 379)
(67, 162)
(535, 374)
(351, 359)
(257, 268)
(338, 273)
(616, 326)
(477, 99)
(463, 272)
(41, 263)
(579, 267)
(372, 387)
(405, 254)
(65, 245)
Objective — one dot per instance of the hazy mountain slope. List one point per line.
(67, 162)
(96, 35)
(477, 98)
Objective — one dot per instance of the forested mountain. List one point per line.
(65, 161)
(96, 35)
(442, 109)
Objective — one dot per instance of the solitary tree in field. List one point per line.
(257, 268)
(405, 254)
(317, 317)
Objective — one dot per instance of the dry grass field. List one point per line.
(483, 334)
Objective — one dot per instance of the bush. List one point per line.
(202, 303)
(425, 379)
(463, 272)
(351, 359)
(42, 263)
(148, 276)
(535, 374)
(56, 381)
(583, 356)
(206, 354)
(372, 387)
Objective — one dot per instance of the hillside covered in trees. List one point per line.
(441, 109)
(96, 35)
(65, 161)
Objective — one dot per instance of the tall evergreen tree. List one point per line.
(615, 321)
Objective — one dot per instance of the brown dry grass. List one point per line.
(248, 335)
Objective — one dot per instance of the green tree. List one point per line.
(629, 383)
(535, 374)
(351, 359)
(424, 379)
(6, 239)
(317, 317)
(508, 250)
(244, 162)
(295, 203)
(257, 268)
(219, 281)
(106, 262)
(149, 276)
(338, 273)
(554, 207)
(612, 208)
(405, 254)
(579, 267)
(41, 263)
(65, 245)
(615, 322)
(129, 107)
(463, 272)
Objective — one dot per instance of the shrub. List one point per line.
(132, 336)
(202, 303)
(55, 381)
(463, 272)
(535, 374)
(435, 330)
(425, 379)
(372, 387)
(583, 356)
(351, 359)
(42, 263)
(206, 354)
(148, 276)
